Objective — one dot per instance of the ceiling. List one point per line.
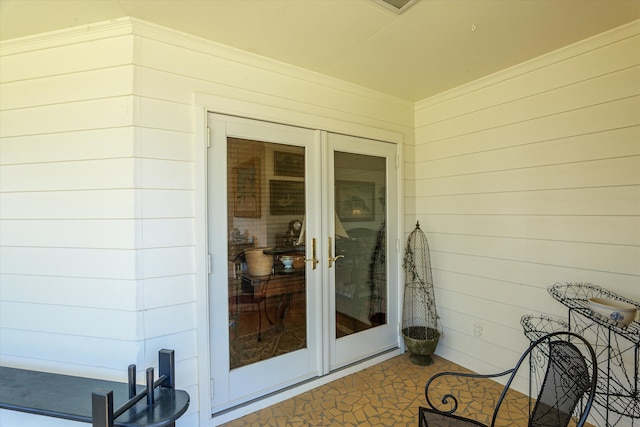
(435, 45)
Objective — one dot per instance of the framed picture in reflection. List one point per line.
(247, 194)
(288, 164)
(286, 197)
(355, 200)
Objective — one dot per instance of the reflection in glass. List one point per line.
(360, 276)
(266, 280)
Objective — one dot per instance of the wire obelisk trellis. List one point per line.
(420, 322)
(378, 280)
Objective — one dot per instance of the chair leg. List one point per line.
(422, 422)
(259, 321)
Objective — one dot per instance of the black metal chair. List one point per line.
(569, 382)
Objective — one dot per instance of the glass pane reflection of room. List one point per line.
(266, 280)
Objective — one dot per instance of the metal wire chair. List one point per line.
(571, 373)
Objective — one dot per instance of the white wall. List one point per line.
(68, 205)
(527, 178)
(523, 179)
(98, 184)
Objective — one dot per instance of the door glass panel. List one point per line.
(360, 267)
(266, 268)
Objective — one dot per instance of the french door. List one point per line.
(362, 235)
(299, 225)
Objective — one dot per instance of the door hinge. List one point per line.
(208, 137)
(209, 263)
(397, 162)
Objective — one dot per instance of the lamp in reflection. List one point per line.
(339, 230)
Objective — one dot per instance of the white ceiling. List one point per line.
(434, 46)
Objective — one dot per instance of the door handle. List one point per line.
(333, 259)
(314, 261)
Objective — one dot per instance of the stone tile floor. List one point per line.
(387, 394)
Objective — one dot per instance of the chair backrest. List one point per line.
(570, 373)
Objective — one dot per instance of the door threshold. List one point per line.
(265, 401)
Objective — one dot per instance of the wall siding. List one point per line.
(528, 178)
(97, 189)
(68, 279)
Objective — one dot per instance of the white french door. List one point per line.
(363, 305)
(298, 236)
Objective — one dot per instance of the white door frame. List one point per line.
(205, 104)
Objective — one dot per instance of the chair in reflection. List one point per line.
(352, 280)
(243, 297)
(562, 370)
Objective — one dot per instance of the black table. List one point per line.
(70, 397)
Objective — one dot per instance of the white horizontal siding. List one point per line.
(109, 294)
(41, 346)
(96, 174)
(165, 203)
(592, 119)
(528, 178)
(163, 144)
(63, 88)
(184, 67)
(84, 204)
(68, 146)
(566, 67)
(98, 233)
(581, 148)
(97, 187)
(65, 262)
(599, 91)
(72, 116)
(171, 261)
(166, 291)
(588, 256)
(65, 320)
(597, 173)
(166, 174)
(23, 62)
(621, 230)
(169, 320)
(69, 230)
(613, 201)
(69, 233)
(536, 275)
(158, 233)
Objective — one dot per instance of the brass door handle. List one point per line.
(314, 261)
(333, 259)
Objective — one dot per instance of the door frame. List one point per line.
(203, 105)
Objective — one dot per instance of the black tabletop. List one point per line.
(69, 397)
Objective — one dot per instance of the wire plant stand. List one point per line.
(421, 328)
(377, 313)
(536, 327)
(617, 349)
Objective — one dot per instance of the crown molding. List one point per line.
(83, 33)
(136, 27)
(614, 35)
(174, 37)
